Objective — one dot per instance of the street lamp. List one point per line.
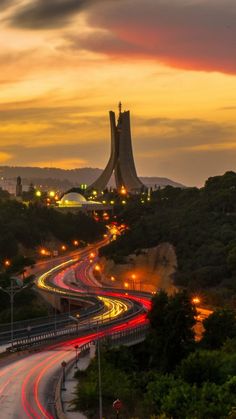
(63, 364)
(12, 291)
(76, 356)
(99, 376)
(196, 300)
(7, 263)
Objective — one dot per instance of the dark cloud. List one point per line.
(5, 4)
(46, 14)
(189, 34)
(196, 35)
(101, 41)
(26, 155)
(171, 137)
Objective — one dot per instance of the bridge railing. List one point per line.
(75, 330)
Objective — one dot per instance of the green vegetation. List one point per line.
(169, 376)
(23, 230)
(30, 226)
(200, 223)
(27, 303)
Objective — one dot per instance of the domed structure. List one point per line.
(72, 199)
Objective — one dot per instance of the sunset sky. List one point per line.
(65, 63)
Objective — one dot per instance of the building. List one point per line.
(74, 202)
(121, 160)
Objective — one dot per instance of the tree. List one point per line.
(201, 366)
(219, 326)
(172, 336)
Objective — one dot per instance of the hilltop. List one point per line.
(65, 179)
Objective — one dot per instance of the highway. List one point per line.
(27, 381)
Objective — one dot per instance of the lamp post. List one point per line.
(63, 364)
(11, 292)
(76, 356)
(99, 376)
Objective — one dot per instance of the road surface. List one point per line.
(27, 381)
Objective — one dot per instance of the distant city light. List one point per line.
(123, 191)
(52, 194)
(38, 194)
(75, 243)
(126, 285)
(63, 247)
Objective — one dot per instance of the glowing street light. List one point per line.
(126, 285)
(7, 263)
(133, 276)
(92, 255)
(43, 252)
(113, 278)
(75, 243)
(97, 268)
(63, 247)
(123, 190)
(38, 193)
(196, 300)
(52, 194)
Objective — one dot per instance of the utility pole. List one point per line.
(99, 376)
(11, 292)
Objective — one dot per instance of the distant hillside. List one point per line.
(64, 179)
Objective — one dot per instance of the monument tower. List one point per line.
(121, 160)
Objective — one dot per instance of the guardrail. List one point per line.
(47, 337)
(49, 323)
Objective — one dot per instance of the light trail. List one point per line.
(114, 307)
(26, 382)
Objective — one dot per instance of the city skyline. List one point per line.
(65, 63)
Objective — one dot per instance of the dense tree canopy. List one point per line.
(33, 225)
(200, 223)
(219, 326)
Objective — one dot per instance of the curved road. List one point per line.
(27, 381)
